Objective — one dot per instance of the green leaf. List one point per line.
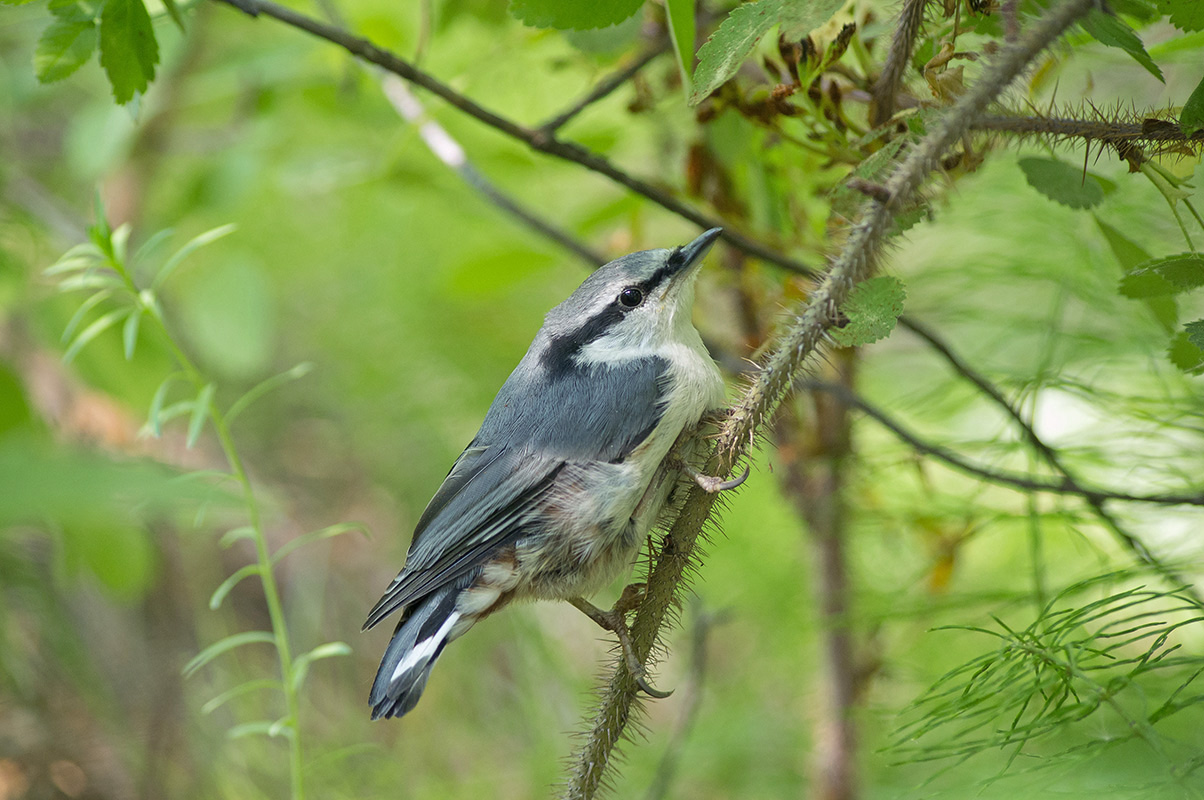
(1186, 15)
(1114, 32)
(680, 15)
(129, 332)
(1186, 354)
(573, 14)
(92, 331)
(219, 594)
(1061, 182)
(1130, 255)
(241, 731)
(173, 11)
(238, 691)
(872, 309)
(1163, 276)
(200, 412)
(83, 310)
(328, 532)
(1195, 333)
(328, 650)
(224, 646)
(1127, 252)
(1191, 119)
(259, 390)
(748, 23)
(236, 535)
(128, 50)
(65, 45)
(154, 417)
(79, 257)
(195, 244)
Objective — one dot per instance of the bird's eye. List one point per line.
(631, 297)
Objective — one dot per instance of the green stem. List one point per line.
(271, 591)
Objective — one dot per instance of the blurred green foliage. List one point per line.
(358, 251)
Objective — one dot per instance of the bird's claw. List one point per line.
(712, 484)
(615, 622)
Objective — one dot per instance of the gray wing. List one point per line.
(535, 425)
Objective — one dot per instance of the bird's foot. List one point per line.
(711, 484)
(615, 621)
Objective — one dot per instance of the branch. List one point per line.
(897, 59)
(797, 346)
(536, 139)
(1067, 486)
(448, 150)
(1051, 457)
(604, 87)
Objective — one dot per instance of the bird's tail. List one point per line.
(419, 639)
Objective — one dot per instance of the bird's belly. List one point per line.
(585, 535)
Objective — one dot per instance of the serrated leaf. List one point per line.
(1062, 182)
(573, 14)
(1114, 32)
(680, 15)
(129, 332)
(328, 650)
(743, 29)
(238, 691)
(193, 245)
(227, 586)
(99, 326)
(128, 50)
(1163, 276)
(200, 412)
(265, 386)
(65, 45)
(328, 532)
(223, 646)
(1195, 333)
(1129, 254)
(1186, 15)
(1191, 118)
(872, 309)
(1185, 354)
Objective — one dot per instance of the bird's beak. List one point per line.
(691, 256)
(693, 252)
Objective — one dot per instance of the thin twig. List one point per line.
(1095, 499)
(605, 86)
(533, 138)
(1066, 486)
(897, 60)
(797, 346)
(448, 150)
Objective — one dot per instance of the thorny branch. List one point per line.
(781, 369)
(887, 85)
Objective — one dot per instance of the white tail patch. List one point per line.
(422, 651)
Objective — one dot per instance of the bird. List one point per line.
(572, 467)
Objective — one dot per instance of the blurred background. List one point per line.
(411, 297)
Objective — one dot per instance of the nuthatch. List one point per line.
(570, 469)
